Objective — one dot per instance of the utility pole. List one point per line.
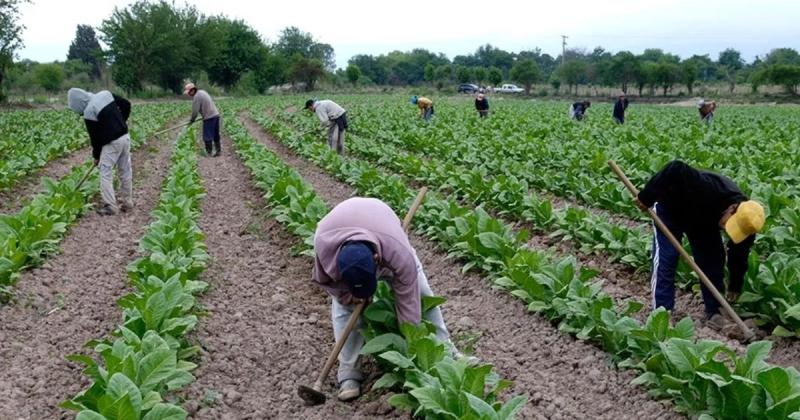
(563, 48)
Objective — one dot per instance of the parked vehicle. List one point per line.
(467, 88)
(509, 88)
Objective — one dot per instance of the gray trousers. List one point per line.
(336, 138)
(349, 366)
(117, 153)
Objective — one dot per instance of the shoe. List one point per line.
(349, 390)
(216, 153)
(217, 148)
(717, 322)
(125, 207)
(105, 210)
(208, 149)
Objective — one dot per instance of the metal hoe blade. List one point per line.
(310, 395)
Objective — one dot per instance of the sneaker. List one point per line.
(216, 153)
(105, 210)
(349, 390)
(717, 322)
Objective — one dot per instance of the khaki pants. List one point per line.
(336, 138)
(117, 153)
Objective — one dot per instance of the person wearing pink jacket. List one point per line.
(360, 240)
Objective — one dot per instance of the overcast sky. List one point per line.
(684, 27)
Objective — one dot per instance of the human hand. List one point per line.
(96, 162)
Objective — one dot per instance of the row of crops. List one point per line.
(149, 355)
(28, 236)
(702, 377)
(431, 383)
(465, 158)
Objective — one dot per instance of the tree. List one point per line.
(271, 71)
(646, 76)
(666, 74)
(555, 81)
(293, 41)
(240, 49)
(730, 62)
(353, 74)
(572, 73)
(86, 47)
(463, 74)
(624, 68)
(526, 72)
(480, 74)
(306, 70)
(429, 74)
(10, 37)
(49, 76)
(786, 75)
(495, 76)
(157, 43)
(689, 71)
(444, 73)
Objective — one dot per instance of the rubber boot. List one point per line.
(218, 147)
(208, 149)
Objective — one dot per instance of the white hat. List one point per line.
(188, 87)
(701, 102)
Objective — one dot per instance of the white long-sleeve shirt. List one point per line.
(327, 111)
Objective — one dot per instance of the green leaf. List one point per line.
(403, 402)
(166, 412)
(511, 408)
(90, 415)
(776, 382)
(432, 400)
(397, 359)
(385, 342)
(480, 407)
(156, 367)
(430, 302)
(388, 380)
(120, 386)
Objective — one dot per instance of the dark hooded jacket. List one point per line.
(104, 113)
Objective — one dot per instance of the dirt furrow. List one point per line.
(563, 377)
(268, 328)
(71, 299)
(13, 199)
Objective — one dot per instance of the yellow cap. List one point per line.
(748, 219)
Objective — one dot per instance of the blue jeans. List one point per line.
(708, 252)
(211, 130)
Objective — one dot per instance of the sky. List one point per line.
(683, 27)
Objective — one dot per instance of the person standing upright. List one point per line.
(203, 104)
(619, 109)
(334, 118)
(106, 117)
(482, 105)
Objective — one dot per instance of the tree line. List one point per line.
(162, 44)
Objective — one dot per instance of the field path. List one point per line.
(13, 199)
(268, 328)
(72, 299)
(563, 378)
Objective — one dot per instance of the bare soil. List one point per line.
(13, 199)
(71, 299)
(563, 377)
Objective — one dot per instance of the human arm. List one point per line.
(195, 108)
(737, 262)
(322, 115)
(404, 284)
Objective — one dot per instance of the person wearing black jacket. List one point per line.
(578, 110)
(106, 116)
(482, 105)
(619, 109)
(698, 204)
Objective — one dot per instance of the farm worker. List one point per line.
(106, 116)
(706, 110)
(425, 106)
(619, 108)
(360, 240)
(482, 105)
(203, 104)
(578, 110)
(698, 204)
(334, 118)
